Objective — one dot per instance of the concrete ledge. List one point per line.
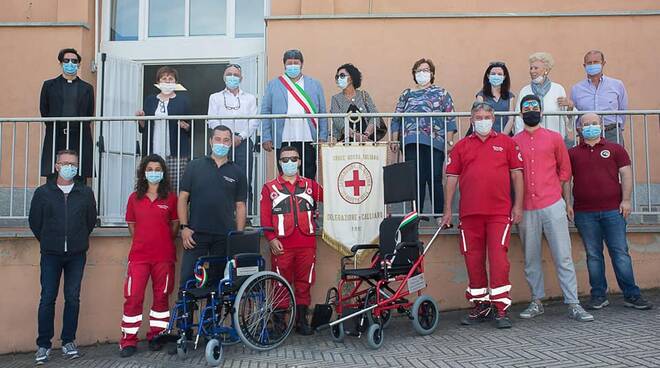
(45, 24)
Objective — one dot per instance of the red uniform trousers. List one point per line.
(481, 236)
(162, 281)
(296, 265)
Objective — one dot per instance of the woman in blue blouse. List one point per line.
(496, 92)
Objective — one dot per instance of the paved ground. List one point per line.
(620, 337)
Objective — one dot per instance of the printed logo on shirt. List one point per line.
(163, 207)
(605, 153)
(498, 149)
(273, 195)
(231, 180)
(520, 156)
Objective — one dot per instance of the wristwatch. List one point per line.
(183, 226)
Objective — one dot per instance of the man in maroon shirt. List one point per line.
(484, 164)
(288, 204)
(601, 206)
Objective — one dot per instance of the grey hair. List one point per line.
(478, 105)
(544, 57)
(292, 54)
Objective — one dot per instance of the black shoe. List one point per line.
(598, 302)
(155, 344)
(502, 320)
(637, 303)
(480, 313)
(127, 351)
(302, 325)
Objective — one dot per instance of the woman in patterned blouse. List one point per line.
(424, 138)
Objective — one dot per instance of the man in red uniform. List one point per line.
(288, 204)
(485, 164)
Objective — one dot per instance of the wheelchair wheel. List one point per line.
(214, 353)
(182, 347)
(425, 315)
(264, 311)
(375, 336)
(337, 332)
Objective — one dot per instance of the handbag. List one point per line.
(381, 128)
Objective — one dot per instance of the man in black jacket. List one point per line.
(64, 96)
(62, 215)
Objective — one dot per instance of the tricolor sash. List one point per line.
(300, 96)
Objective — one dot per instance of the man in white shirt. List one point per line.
(233, 101)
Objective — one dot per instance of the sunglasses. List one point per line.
(65, 61)
(289, 159)
(341, 75)
(233, 65)
(530, 104)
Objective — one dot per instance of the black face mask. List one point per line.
(532, 118)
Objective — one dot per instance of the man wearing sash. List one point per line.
(295, 94)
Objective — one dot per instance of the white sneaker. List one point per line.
(576, 312)
(534, 309)
(41, 356)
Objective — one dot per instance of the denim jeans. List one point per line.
(52, 267)
(609, 226)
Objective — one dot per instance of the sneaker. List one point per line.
(637, 303)
(502, 320)
(576, 312)
(127, 351)
(481, 312)
(534, 309)
(598, 302)
(42, 355)
(70, 350)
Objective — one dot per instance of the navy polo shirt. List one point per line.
(214, 192)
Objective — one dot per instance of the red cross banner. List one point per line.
(352, 194)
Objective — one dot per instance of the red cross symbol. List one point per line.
(356, 183)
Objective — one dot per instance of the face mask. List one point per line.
(423, 77)
(70, 68)
(292, 71)
(591, 131)
(154, 177)
(593, 69)
(342, 82)
(68, 172)
(220, 149)
(289, 168)
(167, 87)
(539, 79)
(232, 81)
(495, 79)
(532, 118)
(483, 126)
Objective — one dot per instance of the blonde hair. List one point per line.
(544, 57)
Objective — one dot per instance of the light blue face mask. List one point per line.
(232, 81)
(593, 69)
(154, 177)
(342, 82)
(68, 172)
(292, 71)
(289, 168)
(495, 79)
(220, 150)
(591, 131)
(70, 68)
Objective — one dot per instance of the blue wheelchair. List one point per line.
(237, 301)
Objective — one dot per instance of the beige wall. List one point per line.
(101, 297)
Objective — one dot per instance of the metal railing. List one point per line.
(118, 144)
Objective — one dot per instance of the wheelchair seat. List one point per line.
(366, 273)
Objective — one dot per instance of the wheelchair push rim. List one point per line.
(264, 312)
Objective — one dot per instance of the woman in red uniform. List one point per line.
(153, 223)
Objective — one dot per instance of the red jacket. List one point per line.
(286, 206)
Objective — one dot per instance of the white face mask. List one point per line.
(423, 77)
(483, 127)
(539, 79)
(167, 87)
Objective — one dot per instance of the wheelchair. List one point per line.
(244, 303)
(366, 298)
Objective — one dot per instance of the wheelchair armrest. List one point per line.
(404, 245)
(251, 228)
(211, 259)
(358, 247)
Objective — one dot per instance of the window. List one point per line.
(249, 18)
(124, 21)
(166, 18)
(208, 17)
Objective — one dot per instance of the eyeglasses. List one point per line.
(341, 75)
(530, 104)
(423, 70)
(66, 60)
(497, 63)
(161, 104)
(224, 97)
(289, 159)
